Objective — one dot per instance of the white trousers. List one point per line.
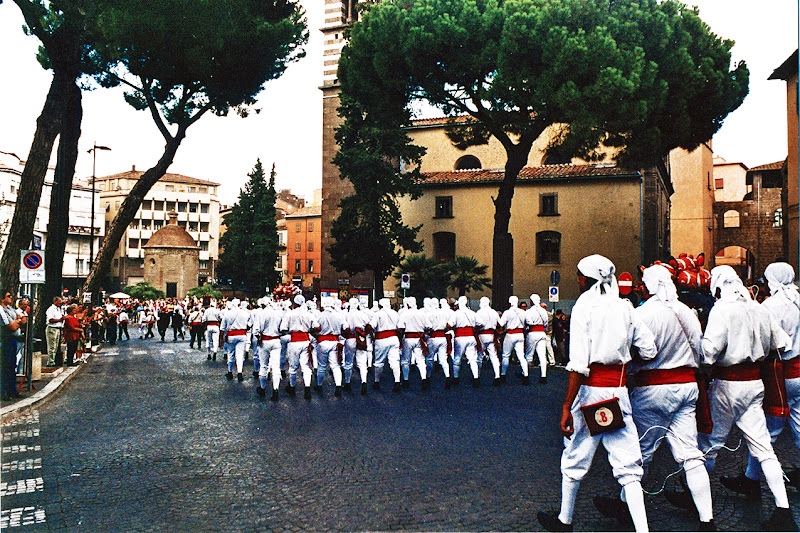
(776, 424)
(269, 355)
(437, 348)
(514, 342)
(537, 343)
(488, 347)
(298, 355)
(465, 346)
(236, 354)
(387, 350)
(413, 350)
(327, 353)
(212, 339)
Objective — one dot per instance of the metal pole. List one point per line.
(91, 232)
(29, 339)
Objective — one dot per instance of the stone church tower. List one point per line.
(338, 15)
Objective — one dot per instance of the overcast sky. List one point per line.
(288, 131)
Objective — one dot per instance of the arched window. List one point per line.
(777, 218)
(468, 162)
(731, 219)
(548, 247)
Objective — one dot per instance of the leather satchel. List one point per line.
(602, 417)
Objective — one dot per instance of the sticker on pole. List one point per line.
(625, 283)
(31, 266)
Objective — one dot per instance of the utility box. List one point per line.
(36, 370)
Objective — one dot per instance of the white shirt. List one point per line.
(123, 316)
(268, 322)
(677, 334)
(384, 319)
(357, 319)
(330, 323)
(414, 321)
(788, 316)
(299, 320)
(7, 316)
(741, 331)
(54, 312)
(513, 318)
(602, 332)
(464, 318)
(211, 315)
(486, 318)
(536, 316)
(238, 319)
(440, 319)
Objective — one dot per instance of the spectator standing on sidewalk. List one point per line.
(23, 310)
(55, 324)
(10, 326)
(123, 319)
(72, 333)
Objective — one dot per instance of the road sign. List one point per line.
(555, 277)
(625, 283)
(31, 266)
(37, 242)
(405, 281)
(553, 293)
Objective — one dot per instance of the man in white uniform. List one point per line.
(784, 305)
(739, 335)
(235, 324)
(300, 324)
(355, 346)
(536, 324)
(212, 319)
(465, 342)
(437, 340)
(267, 329)
(412, 324)
(387, 344)
(513, 322)
(604, 327)
(330, 327)
(486, 321)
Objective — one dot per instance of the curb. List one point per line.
(55, 384)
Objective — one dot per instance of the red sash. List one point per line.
(512, 331)
(437, 334)
(747, 371)
(773, 376)
(298, 336)
(386, 334)
(665, 376)
(323, 338)
(606, 376)
(487, 332)
(791, 368)
(538, 327)
(268, 338)
(212, 323)
(235, 332)
(413, 335)
(464, 332)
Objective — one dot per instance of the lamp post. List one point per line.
(93, 151)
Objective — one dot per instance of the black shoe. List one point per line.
(214, 357)
(290, 390)
(551, 522)
(337, 391)
(255, 373)
(260, 391)
(363, 389)
(396, 387)
(307, 393)
(447, 382)
(781, 520)
(793, 477)
(503, 378)
(426, 384)
(348, 387)
(476, 383)
(682, 499)
(240, 377)
(543, 380)
(406, 383)
(274, 397)
(741, 484)
(455, 382)
(229, 375)
(376, 385)
(707, 526)
(496, 382)
(318, 389)
(614, 508)
(209, 357)
(526, 380)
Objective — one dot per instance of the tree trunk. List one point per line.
(502, 241)
(127, 213)
(58, 223)
(378, 284)
(48, 126)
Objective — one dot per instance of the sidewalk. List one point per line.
(52, 380)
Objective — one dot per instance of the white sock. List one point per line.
(634, 497)
(774, 476)
(569, 492)
(700, 487)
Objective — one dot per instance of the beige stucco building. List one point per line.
(692, 221)
(171, 259)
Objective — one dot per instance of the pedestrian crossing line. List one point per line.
(32, 418)
(168, 351)
(22, 516)
(140, 352)
(22, 465)
(24, 434)
(21, 448)
(21, 486)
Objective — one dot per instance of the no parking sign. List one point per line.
(31, 266)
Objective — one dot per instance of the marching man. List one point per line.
(267, 329)
(299, 323)
(211, 319)
(330, 327)
(386, 345)
(486, 320)
(513, 321)
(739, 335)
(235, 324)
(437, 340)
(536, 323)
(355, 345)
(412, 324)
(604, 327)
(465, 342)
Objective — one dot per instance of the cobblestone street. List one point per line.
(152, 437)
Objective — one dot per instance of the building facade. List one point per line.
(197, 207)
(171, 259)
(304, 246)
(692, 216)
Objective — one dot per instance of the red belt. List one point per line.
(349, 335)
(212, 323)
(437, 334)
(512, 331)
(606, 376)
(742, 372)
(197, 323)
(487, 332)
(234, 332)
(665, 376)
(323, 338)
(538, 327)
(413, 335)
(298, 336)
(268, 338)
(791, 368)
(386, 334)
(465, 332)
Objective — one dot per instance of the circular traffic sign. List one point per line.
(625, 283)
(32, 260)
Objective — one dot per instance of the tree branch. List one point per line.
(34, 13)
(151, 104)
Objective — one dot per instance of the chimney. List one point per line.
(133, 169)
(173, 218)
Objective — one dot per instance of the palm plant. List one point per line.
(428, 277)
(467, 275)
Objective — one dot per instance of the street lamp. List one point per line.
(93, 151)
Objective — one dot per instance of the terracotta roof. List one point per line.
(173, 178)
(310, 211)
(544, 172)
(777, 165)
(171, 236)
(441, 121)
(786, 70)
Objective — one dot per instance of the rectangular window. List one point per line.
(204, 208)
(719, 183)
(158, 224)
(310, 225)
(146, 224)
(311, 265)
(548, 247)
(133, 243)
(116, 262)
(310, 246)
(147, 204)
(204, 265)
(204, 246)
(444, 207)
(158, 205)
(297, 246)
(170, 188)
(181, 207)
(548, 204)
(297, 228)
(204, 190)
(134, 225)
(204, 226)
(13, 189)
(193, 208)
(192, 189)
(170, 206)
(297, 266)
(192, 226)
(78, 266)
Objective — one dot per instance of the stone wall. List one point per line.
(172, 265)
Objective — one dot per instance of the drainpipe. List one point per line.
(641, 219)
